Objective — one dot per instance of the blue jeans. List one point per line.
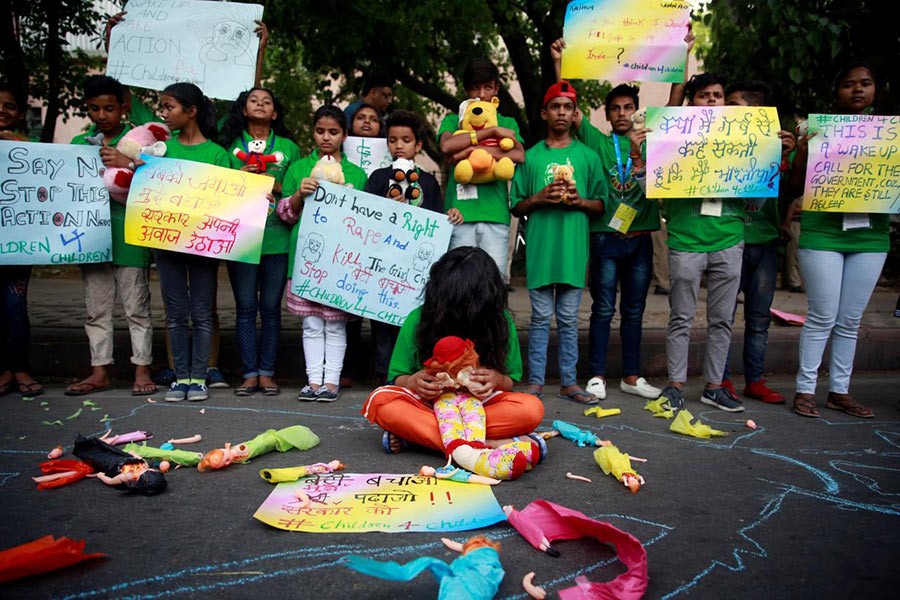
(15, 329)
(564, 301)
(629, 262)
(188, 285)
(759, 275)
(838, 287)
(258, 288)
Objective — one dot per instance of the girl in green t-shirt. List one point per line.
(189, 282)
(256, 120)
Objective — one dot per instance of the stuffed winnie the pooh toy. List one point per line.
(481, 166)
(255, 155)
(146, 139)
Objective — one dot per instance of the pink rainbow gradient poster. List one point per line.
(393, 503)
(196, 208)
(854, 164)
(619, 41)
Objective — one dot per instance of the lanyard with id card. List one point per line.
(624, 216)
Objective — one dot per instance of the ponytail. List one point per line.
(188, 95)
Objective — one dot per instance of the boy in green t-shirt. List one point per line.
(559, 188)
(484, 207)
(128, 274)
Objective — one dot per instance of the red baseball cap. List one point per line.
(560, 88)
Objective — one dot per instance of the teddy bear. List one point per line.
(255, 155)
(404, 185)
(564, 173)
(328, 169)
(639, 117)
(147, 139)
(481, 166)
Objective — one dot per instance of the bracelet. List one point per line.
(131, 166)
(473, 137)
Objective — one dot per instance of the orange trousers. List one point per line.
(407, 416)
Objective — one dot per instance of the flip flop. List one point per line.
(535, 390)
(271, 390)
(579, 396)
(90, 388)
(144, 389)
(5, 388)
(30, 389)
(386, 443)
(246, 390)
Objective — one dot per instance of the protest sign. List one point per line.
(358, 502)
(364, 254)
(641, 40)
(54, 208)
(367, 153)
(854, 164)
(197, 208)
(713, 151)
(210, 44)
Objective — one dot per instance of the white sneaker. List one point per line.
(596, 387)
(641, 388)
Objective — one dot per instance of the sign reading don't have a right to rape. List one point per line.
(54, 208)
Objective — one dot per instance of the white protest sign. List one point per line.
(54, 208)
(367, 153)
(364, 254)
(210, 44)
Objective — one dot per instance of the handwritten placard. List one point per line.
(713, 151)
(854, 164)
(356, 503)
(210, 44)
(54, 208)
(364, 254)
(367, 153)
(196, 208)
(641, 40)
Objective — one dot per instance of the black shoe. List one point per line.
(661, 291)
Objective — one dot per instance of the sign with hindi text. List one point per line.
(54, 207)
(364, 254)
(713, 152)
(641, 40)
(356, 503)
(854, 164)
(210, 44)
(201, 209)
(367, 153)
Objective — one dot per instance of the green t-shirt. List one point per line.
(277, 236)
(557, 237)
(628, 192)
(354, 177)
(140, 113)
(691, 231)
(761, 226)
(208, 152)
(492, 203)
(406, 360)
(825, 231)
(124, 255)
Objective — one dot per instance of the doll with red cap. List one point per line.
(461, 418)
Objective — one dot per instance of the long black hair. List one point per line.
(333, 112)
(236, 121)
(188, 95)
(466, 296)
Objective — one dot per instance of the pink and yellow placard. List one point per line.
(196, 208)
(713, 152)
(854, 164)
(360, 502)
(640, 40)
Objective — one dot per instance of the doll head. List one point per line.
(452, 354)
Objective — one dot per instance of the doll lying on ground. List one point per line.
(452, 473)
(296, 436)
(616, 463)
(461, 419)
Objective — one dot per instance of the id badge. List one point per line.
(467, 191)
(856, 221)
(711, 207)
(623, 218)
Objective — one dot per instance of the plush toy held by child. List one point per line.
(147, 139)
(255, 155)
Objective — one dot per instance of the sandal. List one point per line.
(805, 405)
(846, 403)
(246, 390)
(387, 437)
(5, 388)
(578, 395)
(143, 389)
(537, 440)
(535, 390)
(30, 390)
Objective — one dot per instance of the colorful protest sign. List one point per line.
(210, 44)
(358, 502)
(713, 152)
(854, 164)
(641, 40)
(364, 254)
(367, 153)
(54, 208)
(196, 208)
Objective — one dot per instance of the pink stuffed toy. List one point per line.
(255, 155)
(147, 139)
